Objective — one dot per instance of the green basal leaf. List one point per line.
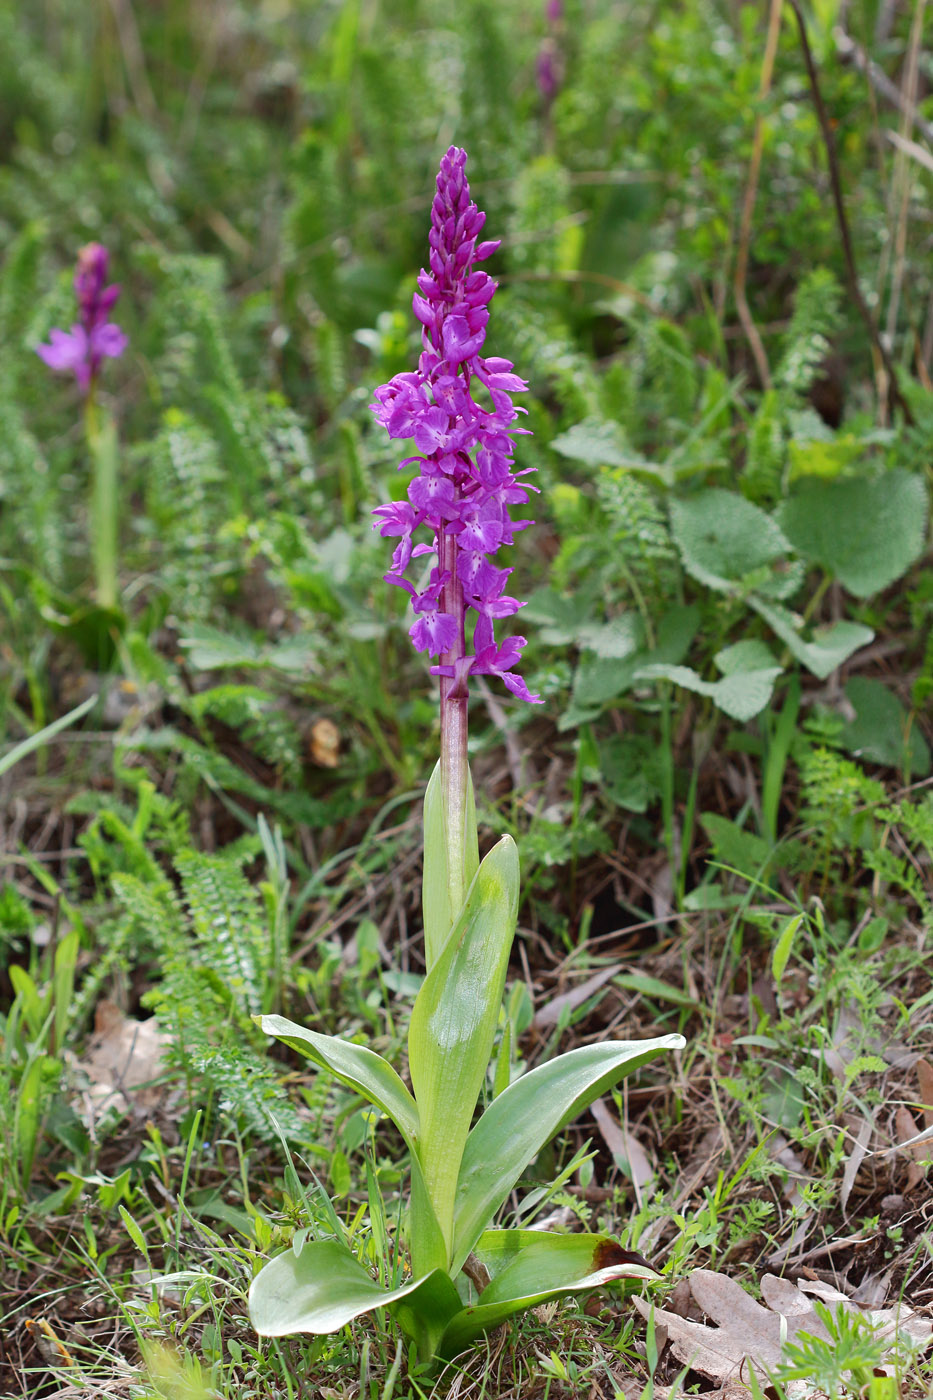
(883, 731)
(425, 1237)
(373, 1077)
(521, 1261)
(526, 1115)
(424, 1311)
(324, 1287)
(535, 1267)
(454, 1021)
(357, 1067)
(438, 915)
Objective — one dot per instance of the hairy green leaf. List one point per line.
(730, 545)
(828, 648)
(865, 531)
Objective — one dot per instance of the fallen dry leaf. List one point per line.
(324, 743)
(626, 1150)
(749, 1334)
(121, 1062)
(861, 1130)
(925, 1080)
(550, 1013)
(915, 1145)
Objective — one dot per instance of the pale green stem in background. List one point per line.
(104, 515)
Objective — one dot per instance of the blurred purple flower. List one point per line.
(547, 71)
(93, 338)
(464, 450)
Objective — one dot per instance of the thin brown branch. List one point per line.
(851, 52)
(893, 395)
(751, 192)
(903, 180)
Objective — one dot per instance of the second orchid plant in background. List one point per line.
(81, 351)
(453, 1276)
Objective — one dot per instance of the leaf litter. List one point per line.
(746, 1334)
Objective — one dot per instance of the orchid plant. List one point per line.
(82, 351)
(462, 1276)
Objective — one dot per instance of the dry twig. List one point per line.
(748, 204)
(891, 390)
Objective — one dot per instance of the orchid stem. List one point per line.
(454, 701)
(102, 443)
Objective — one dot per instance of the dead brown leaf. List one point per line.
(550, 1013)
(626, 1150)
(324, 743)
(748, 1334)
(925, 1079)
(861, 1129)
(120, 1064)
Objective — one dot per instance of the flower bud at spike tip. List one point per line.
(464, 449)
(93, 338)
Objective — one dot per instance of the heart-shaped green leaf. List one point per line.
(526, 1115)
(454, 1020)
(829, 647)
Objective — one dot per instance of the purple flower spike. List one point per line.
(93, 338)
(464, 450)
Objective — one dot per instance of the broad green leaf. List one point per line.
(425, 1311)
(518, 1261)
(324, 1287)
(374, 1078)
(729, 544)
(614, 640)
(602, 677)
(425, 1238)
(865, 531)
(438, 915)
(454, 1021)
(744, 851)
(740, 695)
(534, 1267)
(883, 731)
(829, 647)
(782, 949)
(751, 655)
(559, 618)
(354, 1065)
(526, 1115)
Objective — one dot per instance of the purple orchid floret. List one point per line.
(92, 339)
(466, 482)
